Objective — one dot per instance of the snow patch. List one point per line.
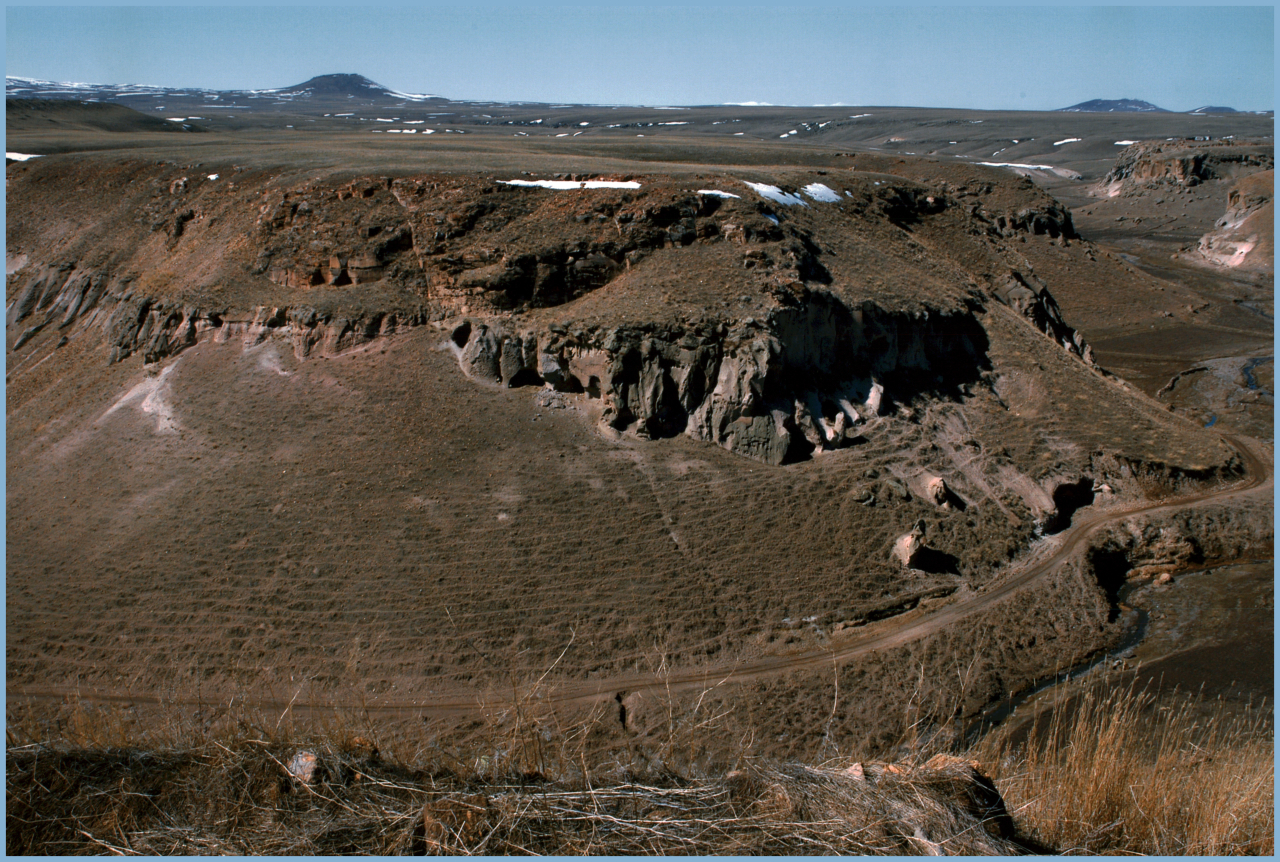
(563, 185)
(20, 157)
(213, 176)
(1125, 143)
(717, 193)
(1064, 141)
(777, 195)
(1017, 165)
(819, 192)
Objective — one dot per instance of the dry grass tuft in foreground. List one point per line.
(1120, 771)
(1110, 771)
(246, 799)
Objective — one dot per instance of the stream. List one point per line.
(1198, 633)
(1252, 382)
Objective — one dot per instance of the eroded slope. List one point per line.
(241, 451)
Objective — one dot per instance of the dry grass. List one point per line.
(1110, 771)
(1115, 770)
(241, 800)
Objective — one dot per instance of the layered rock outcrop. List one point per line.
(1152, 164)
(805, 377)
(773, 323)
(132, 323)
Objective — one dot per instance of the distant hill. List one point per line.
(36, 115)
(1100, 106)
(1213, 109)
(339, 92)
(357, 86)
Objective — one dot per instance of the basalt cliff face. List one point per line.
(1150, 165)
(774, 320)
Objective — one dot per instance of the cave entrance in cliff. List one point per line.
(798, 449)
(1067, 499)
(525, 377)
(1111, 570)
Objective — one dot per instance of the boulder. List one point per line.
(937, 492)
(304, 767)
(764, 438)
(909, 546)
(481, 358)
(511, 360)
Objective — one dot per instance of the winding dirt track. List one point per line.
(876, 636)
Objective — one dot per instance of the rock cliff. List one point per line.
(1152, 164)
(813, 313)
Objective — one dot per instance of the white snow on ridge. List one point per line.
(751, 104)
(1125, 143)
(563, 185)
(21, 157)
(717, 193)
(819, 192)
(1065, 141)
(777, 195)
(413, 97)
(544, 184)
(213, 176)
(1017, 165)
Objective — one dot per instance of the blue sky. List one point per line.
(1009, 57)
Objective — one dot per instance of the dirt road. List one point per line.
(881, 635)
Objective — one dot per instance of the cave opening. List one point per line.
(1111, 569)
